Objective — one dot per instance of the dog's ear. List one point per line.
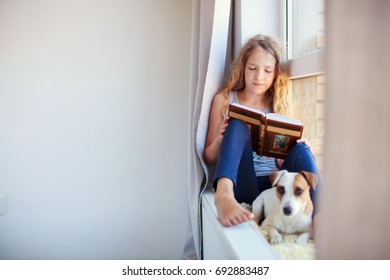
(275, 176)
(311, 178)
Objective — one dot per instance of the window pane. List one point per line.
(306, 26)
(308, 104)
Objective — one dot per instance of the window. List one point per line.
(305, 27)
(305, 40)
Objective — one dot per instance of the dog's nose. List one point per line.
(287, 211)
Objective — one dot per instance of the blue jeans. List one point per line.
(236, 163)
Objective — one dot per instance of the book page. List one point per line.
(249, 109)
(285, 119)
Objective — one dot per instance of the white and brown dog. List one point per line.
(286, 207)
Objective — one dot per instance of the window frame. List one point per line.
(308, 65)
(311, 64)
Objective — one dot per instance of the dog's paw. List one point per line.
(246, 206)
(303, 238)
(275, 237)
(276, 240)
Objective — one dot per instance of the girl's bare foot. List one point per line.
(230, 212)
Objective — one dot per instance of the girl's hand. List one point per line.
(304, 141)
(222, 127)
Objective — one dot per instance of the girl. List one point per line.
(257, 79)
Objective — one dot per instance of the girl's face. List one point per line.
(259, 71)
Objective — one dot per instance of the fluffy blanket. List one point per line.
(289, 250)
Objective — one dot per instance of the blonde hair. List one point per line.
(278, 92)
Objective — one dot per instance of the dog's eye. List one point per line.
(298, 191)
(281, 190)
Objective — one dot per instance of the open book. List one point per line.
(273, 134)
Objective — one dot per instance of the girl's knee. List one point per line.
(300, 158)
(300, 147)
(237, 123)
(238, 126)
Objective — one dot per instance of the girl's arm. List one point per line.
(216, 129)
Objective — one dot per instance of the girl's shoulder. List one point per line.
(221, 97)
(219, 103)
(224, 95)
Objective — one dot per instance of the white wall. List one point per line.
(93, 128)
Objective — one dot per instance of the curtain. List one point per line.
(209, 44)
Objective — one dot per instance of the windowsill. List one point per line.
(242, 242)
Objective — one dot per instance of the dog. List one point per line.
(286, 207)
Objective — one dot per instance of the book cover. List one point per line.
(273, 135)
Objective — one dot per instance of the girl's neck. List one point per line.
(256, 101)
